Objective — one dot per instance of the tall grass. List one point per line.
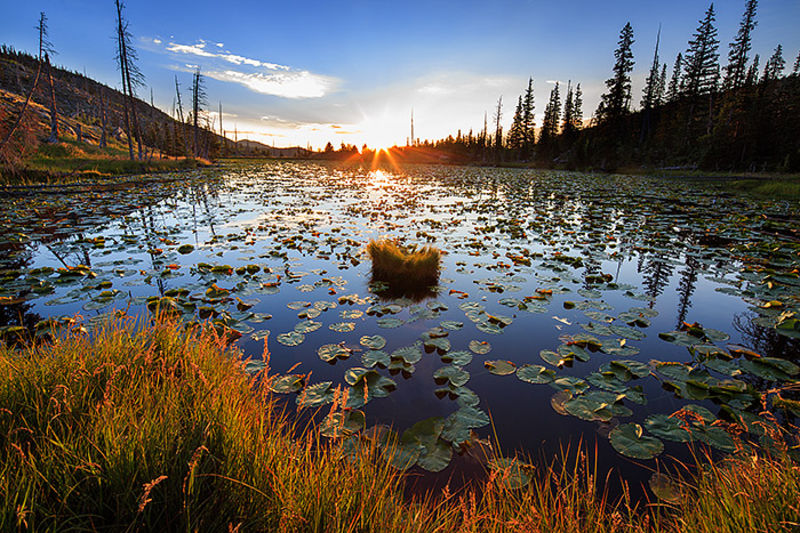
(404, 267)
(156, 428)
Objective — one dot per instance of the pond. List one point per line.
(636, 312)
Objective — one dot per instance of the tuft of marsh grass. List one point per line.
(155, 427)
(404, 267)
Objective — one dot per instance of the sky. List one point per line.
(308, 73)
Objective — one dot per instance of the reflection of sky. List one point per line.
(334, 212)
(298, 72)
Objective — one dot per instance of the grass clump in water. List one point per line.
(404, 267)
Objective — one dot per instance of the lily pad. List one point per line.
(629, 440)
(500, 367)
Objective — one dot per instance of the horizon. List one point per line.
(353, 74)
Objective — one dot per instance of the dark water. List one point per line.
(672, 253)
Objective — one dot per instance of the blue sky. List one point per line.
(294, 73)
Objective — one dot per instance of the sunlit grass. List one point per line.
(157, 428)
(404, 267)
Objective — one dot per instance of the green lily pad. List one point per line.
(455, 375)
(331, 352)
(307, 326)
(371, 358)
(342, 424)
(287, 384)
(535, 374)
(500, 367)
(342, 327)
(293, 338)
(629, 440)
(408, 354)
(458, 358)
(480, 347)
(316, 395)
(373, 342)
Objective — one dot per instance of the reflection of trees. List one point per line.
(765, 341)
(656, 273)
(686, 287)
(20, 257)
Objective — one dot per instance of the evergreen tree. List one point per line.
(528, 126)
(650, 93)
(796, 69)
(577, 108)
(736, 70)
(552, 113)
(701, 70)
(515, 132)
(752, 73)
(662, 85)
(568, 122)
(775, 65)
(675, 88)
(616, 101)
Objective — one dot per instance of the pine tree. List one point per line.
(552, 113)
(528, 126)
(675, 88)
(650, 93)
(577, 109)
(515, 132)
(616, 101)
(736, 69)
(662, 85)
(701, 71)
(796, 69)
(775, 65)
(752, 73)
(568, 121)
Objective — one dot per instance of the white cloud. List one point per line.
(294, 84)
(157, 41)
(259, 76)
(198, 49)
(435, 89)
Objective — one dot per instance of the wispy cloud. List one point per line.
(302, 84)
(259, 76)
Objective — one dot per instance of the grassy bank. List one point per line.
(159, 429)
(70, 162)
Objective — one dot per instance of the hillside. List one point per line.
(81, 103)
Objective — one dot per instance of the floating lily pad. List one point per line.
(500, 367)
(331, 352)
(287, 384)
(293, 338)
(629, 440)
(455, 375)
(480, 347)
(373, 342)
(535, 374)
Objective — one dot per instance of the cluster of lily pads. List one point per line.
(247, 244)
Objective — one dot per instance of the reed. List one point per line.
(404, 267)
(157, 428)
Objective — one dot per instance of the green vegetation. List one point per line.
(70, 161)
(772, 188)
(159, 428)
(404, 267)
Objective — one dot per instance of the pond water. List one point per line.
(636, 312)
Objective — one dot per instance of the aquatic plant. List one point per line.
(404, 267)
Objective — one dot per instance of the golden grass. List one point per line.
(404, 267)
(157, 428)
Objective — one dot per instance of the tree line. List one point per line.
(736, 117)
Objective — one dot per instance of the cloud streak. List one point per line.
(262, 77)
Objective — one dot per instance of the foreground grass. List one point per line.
(159, 429)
